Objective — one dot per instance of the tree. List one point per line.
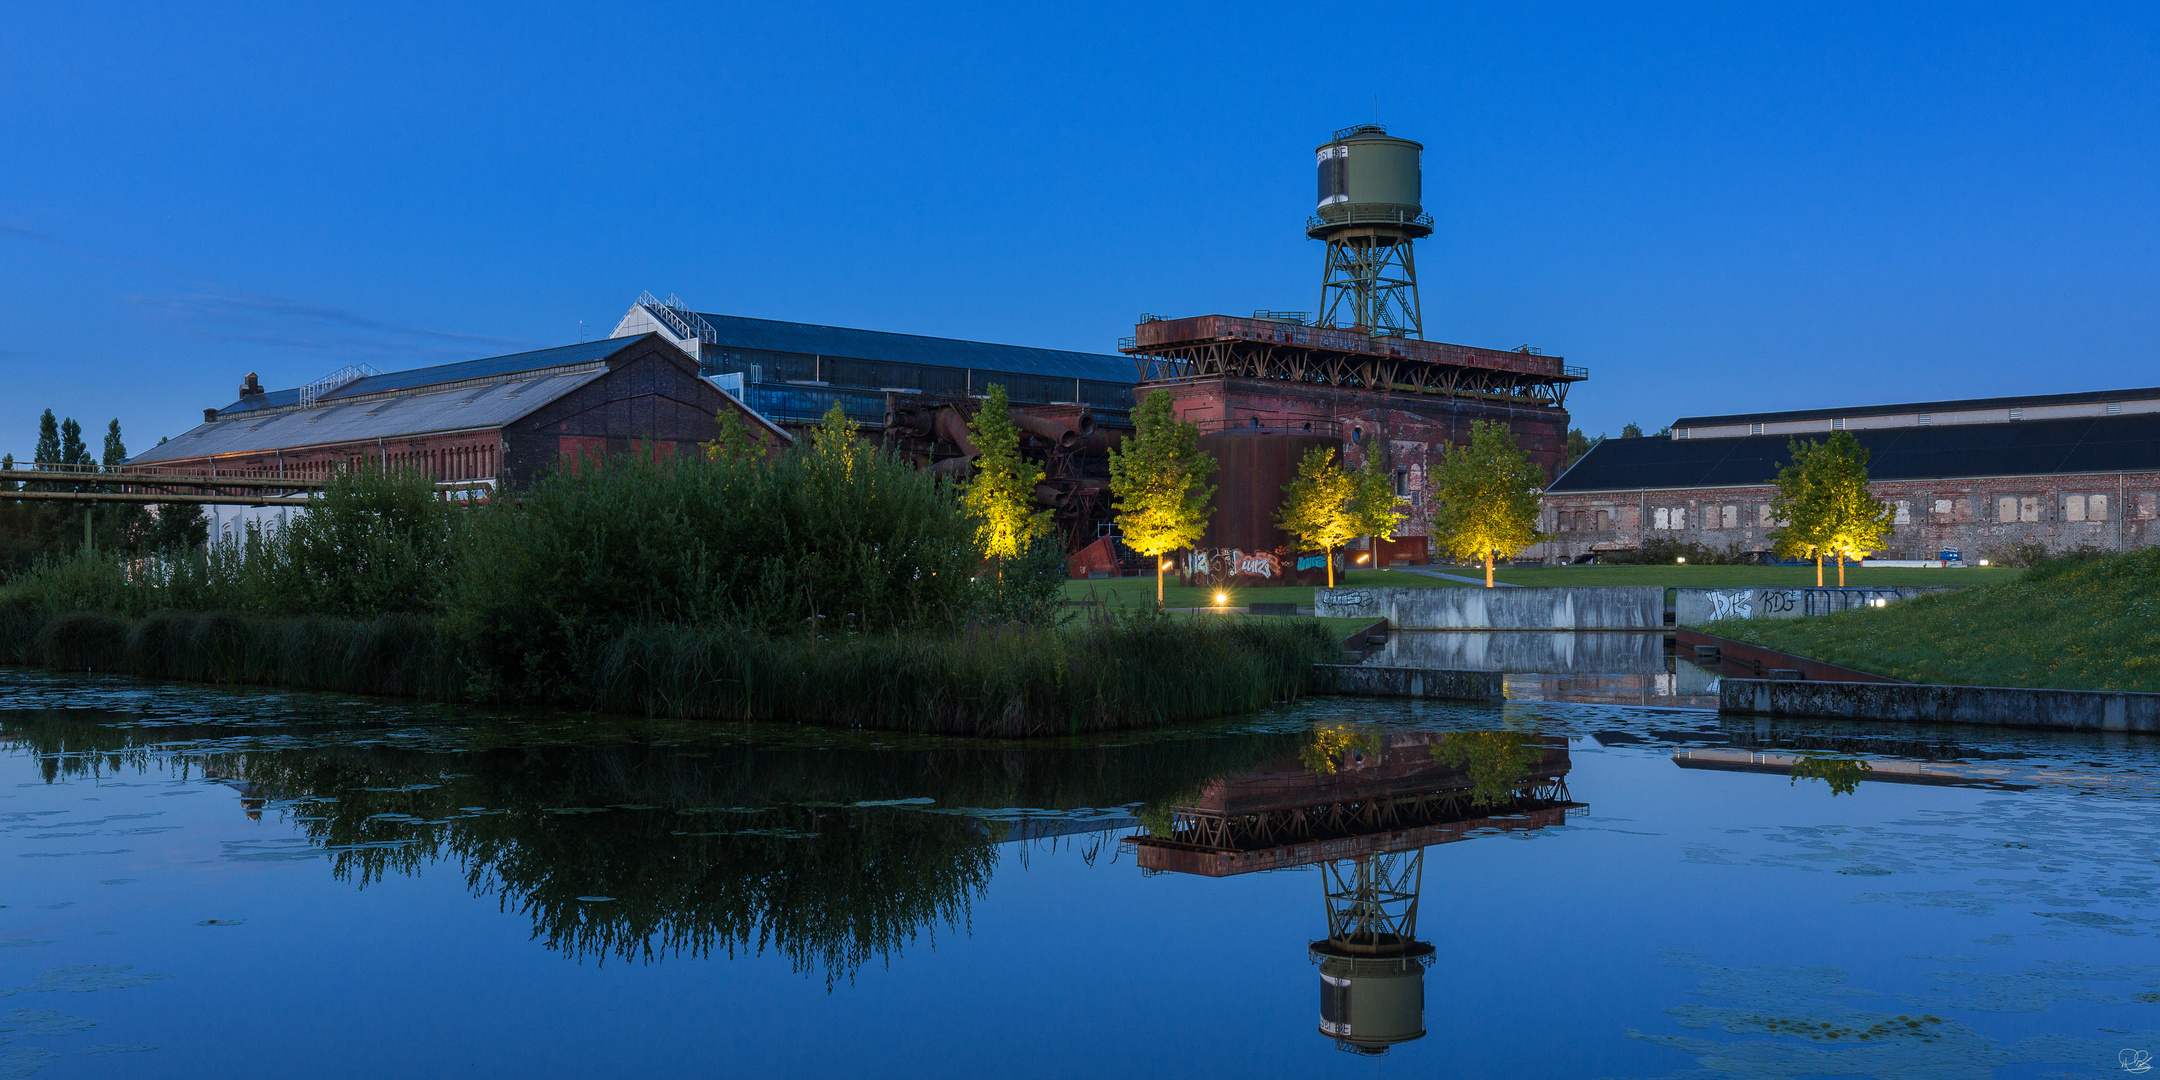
(1632, 431)
(1375, 509)
(1158, 484)
(115, 450)
(833, 441)
(1796, 508)
(72, 451)
(48, 442)
(1856, 522)
(1824, 504)
(735, 442)
(7, 465)
(1316, 505)
(1487, 496)
(1579, 444)
(1000, 496)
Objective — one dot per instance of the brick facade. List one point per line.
(1976, 516)
(1405, 432)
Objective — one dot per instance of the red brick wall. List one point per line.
(1407, 431)
(1969, 515)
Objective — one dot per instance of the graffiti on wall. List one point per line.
(1233, 566)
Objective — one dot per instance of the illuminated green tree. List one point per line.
(1486, 497)
(1319, 506)
(1158, 481)
(1823, 505)
(1375, 509)
(1000, 496)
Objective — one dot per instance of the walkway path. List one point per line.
(1452, 577)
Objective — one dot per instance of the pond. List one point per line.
(202, 881)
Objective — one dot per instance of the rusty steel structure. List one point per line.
(1206, 346)
(1067, 442)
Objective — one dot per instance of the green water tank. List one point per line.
(1369, 176)
(1371, 1003)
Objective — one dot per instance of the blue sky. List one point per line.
(1714, 208)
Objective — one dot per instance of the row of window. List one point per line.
(760, 366)
(2074, 506)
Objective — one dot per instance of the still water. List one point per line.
(201, 882)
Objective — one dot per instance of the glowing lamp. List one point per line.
(1682, 560)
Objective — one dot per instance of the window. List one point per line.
(1762, 516)
(1837, 424)
(2017, 414)
(1682, 433)
(2029, 509)
(2073, 508)
(2006, 508)
(1754, 429)
(1402, 481)
(1663, 519)
(1925, 418)
(2096, 508)
(2114, 408)
(1730, 517)
(1603, 520)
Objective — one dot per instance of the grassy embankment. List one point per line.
(2086, 624)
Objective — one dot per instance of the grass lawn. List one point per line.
(1122, 592)
(2090, 625)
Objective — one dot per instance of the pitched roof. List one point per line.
(492, 367)
(775, 336)
(491, 405)
(1961, 405)
(2129, 443)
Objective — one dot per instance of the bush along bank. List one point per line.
(832, 584)
(1119, 671)
(2077, 622)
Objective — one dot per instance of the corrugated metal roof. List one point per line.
(2019, 448)
(1963, 405)
(492, 405)
(746, 333)
(461, 371)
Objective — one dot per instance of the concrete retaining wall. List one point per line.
(1692, 606)
(1364, 681)
(1555, 652)
(2076, 710)
(1444, 608)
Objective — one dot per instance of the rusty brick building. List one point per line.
(1398, 402)
(1973, 476)
(503, 419)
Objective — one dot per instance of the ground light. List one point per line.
(1364, 557)
(1983, 562)
(1682, 560)
(1222, 599)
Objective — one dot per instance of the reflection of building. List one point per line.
(1364, 808)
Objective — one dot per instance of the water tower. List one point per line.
(1371, 210)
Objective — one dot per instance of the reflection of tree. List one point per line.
(697, 848)
(1330, 742)
(1495, 759)
(1842, 774)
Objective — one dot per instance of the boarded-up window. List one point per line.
(2073, 508)
(2096, 508)
(2029, 509)
(1731, 516)
(2006, 508)
(1663, 520)
(1762, 516)
(1904, 513)
(1603, 520)
(2148, 504)
(1942, 506)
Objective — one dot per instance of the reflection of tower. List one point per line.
(1371, 209)
(1372, 967)
(1364, 811)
